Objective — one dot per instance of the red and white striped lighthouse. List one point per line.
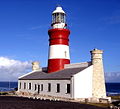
(58, 41)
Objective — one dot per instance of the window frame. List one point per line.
(68, 88)
(24, 85)
(58, 88)
(41, 87)
(35, 86)
(29, 86)
(20, 85)
(49, 87)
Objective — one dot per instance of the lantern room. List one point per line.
(58, 18)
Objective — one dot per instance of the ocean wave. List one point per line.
(113, 93)
(5, 89)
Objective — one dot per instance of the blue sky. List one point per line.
(24, 28)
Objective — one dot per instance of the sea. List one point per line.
(8, 86)
(111, 88)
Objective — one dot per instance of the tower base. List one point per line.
(57, 64)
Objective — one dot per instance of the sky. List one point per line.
(24, 26)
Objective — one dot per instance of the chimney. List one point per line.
(35, 66)
(98, 80)
(96, 56)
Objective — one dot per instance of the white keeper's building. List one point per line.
(76, 81)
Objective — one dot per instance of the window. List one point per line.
(20, 85)
(38, 88)
(24, 85)
(68, 88)
(49, 87)
(41, 87)
(35, 87)
(29, 86)
(58, 88)
(65, 54)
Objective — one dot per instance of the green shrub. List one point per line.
(3, 93)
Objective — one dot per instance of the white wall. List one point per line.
(53, 92)
(82, 83)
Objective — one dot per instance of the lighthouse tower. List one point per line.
(58, 41)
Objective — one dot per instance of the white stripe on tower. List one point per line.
(59, 52)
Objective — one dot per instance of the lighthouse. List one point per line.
(78, 81)
(58, 41)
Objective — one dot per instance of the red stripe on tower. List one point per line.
(58, 42)
(59, 36)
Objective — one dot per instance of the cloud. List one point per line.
(112, 20)
(39, 27)
(11, 69)
(36, 27)
(112, 77)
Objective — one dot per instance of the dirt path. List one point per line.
(11, 102)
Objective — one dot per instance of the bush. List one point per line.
(3, 93)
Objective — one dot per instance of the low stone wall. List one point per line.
(55, 98)
(42, 97)
(96, 100)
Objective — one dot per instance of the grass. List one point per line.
(7, 93)
(115, 97)
(3, 93)
(100, 104)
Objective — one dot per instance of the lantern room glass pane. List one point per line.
(58, 18)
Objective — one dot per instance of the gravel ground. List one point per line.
(11, 102)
